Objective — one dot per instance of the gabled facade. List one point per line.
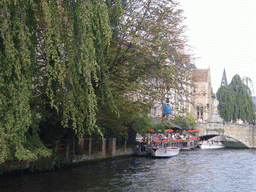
(201, 99)
(199, 102)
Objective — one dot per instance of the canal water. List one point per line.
(198, 170)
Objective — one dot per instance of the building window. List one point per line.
(200, 113)
(154, 111)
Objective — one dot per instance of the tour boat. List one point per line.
(163, 149)
(211, 145)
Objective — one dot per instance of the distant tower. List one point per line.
(224, 79)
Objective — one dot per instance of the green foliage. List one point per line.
(52, 52)
(114, 124)
(55, 161)
(226, 98)
(33, 148)
(191, 122)
(186, 123)
(42, 164)
(75, 64)
(18, 61)
(75, 60)
(147, 59)
(235, 101)
(142, 124)
(159, 128)
(143, 45)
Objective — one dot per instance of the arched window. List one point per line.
(200, 112)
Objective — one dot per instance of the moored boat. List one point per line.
(163, 149)
(211, 145)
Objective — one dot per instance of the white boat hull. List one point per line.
(212, 146)
(164, 151)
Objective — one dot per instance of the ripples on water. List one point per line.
(198, 170)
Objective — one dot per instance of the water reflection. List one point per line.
(199, 170)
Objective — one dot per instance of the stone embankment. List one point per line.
(98, 155)
(70, 158)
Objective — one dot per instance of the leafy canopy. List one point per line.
(52, 52)
(186, 123)
(235, 101)
(84, 59)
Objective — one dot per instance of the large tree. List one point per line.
(18, 62)
(147, 54)
(235, 101)
(144, 59)
(52, 54)
(71, 61)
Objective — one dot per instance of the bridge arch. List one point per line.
(244, 134)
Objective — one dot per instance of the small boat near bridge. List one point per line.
(210, 144)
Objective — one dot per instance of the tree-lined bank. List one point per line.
(69, 69)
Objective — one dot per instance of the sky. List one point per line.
(222, 35)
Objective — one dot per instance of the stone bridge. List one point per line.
(244, 134)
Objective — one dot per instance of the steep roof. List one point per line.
(200, 75)
(224, 79)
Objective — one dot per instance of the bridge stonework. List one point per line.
(245, 134)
